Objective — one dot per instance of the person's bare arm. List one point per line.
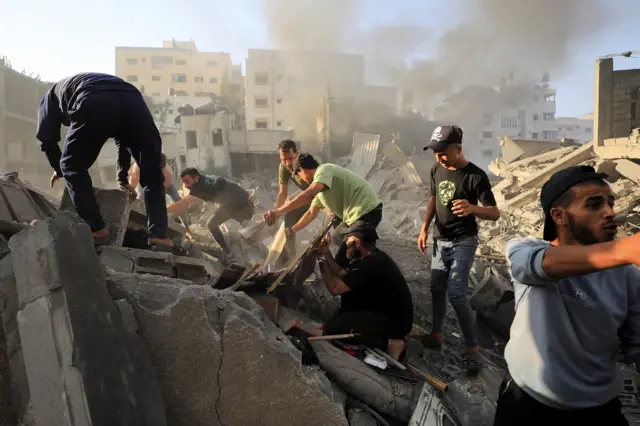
(334, 284)
(134, 176)
(282, 195)
(168, 177)
(430, 213)
(306, 219)
(485, 212)
(305, 197)
(182, 205)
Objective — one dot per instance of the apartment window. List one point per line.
(534, 135)
(545, 86)
(279, 100)
(191, 139)
(550, 98)
(487, 135)
(156, 78)
(487, 153)
(132, 78)
(279, 123)
(216, 136)
(213, 80)
(588, 130)
(182, 93)
(488, 118)
(179, 78)
(204, 94)
(199, 79)
(170, 111)
(549, 116)
(549, 135)
(110, 173)
(181, 62)
(160, 61)
(155, 94)
(261, 123)
(132, 61)
(545, 77)
(262, 78)
(262, 102)
(183, 161)
(212, 63)
(535, 98)
(509, 122)
(536, 117)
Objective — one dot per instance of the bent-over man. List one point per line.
(97, 107)
(348, 196)
(288, 153)
(234, 202)
(577, 299)
(376, 301)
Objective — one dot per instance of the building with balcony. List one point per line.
(576, 129)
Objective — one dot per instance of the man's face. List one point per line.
(353, 248)
(590, 217)
(287, 158)
(449, 157)
(305, 175)
(189, 181)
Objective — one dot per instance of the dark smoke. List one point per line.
(491, 40)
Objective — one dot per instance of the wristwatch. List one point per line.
(289, 232)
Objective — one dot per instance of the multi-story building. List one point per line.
(577, 129)
(511, 109)
(287, 90)
(177, 68)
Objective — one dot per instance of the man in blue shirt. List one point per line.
(97, 107)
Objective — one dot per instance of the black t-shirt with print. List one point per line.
(378, 285)
(470, 183)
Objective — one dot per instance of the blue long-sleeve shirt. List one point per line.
(64, 97)
(566, 332)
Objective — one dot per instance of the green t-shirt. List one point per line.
(284, 174)
(346, 194)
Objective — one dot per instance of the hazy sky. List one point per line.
(58, 38)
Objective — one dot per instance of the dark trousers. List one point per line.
(373, 328)
(517, 408)
(291, 219)
(374, 217)
(125, 117)
(223, 214)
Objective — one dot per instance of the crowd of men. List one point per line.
(577, 290)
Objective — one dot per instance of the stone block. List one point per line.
(114, 208)
(113, 258)
(83, 366)
(195, 270)
(487, 296)
(219, 362)
(628, 169)
(138, 221)
(269, 304)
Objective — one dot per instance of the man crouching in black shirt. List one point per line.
(376, 302)
(457, 186)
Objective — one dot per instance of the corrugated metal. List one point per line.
(363, 153)
(379, 178)
(410, 174)
(408, 170)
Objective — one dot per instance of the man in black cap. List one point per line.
(457, 186)
(577, 303)
(376, 302)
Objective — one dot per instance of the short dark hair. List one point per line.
(569, 195)
(163, 160)
(305, 161)
(190, 171)
(287, 145)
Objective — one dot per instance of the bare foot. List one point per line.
(395, 348)
(103, 233)
(161, 241)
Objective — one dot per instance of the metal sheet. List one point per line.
(379, 179)
(363, 153)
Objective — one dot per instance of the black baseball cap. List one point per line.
(363, 231)
(304, 161)
(559, 183)
(443, 137)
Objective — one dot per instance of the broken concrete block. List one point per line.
(113, 258)
(269, 304)
(390, 396)
(138, 221)
(219, 362)
(489, 293)
(195, 270)
(628, 169)
(114, 208)
(358, 417)
(128, 316)
(83, 366)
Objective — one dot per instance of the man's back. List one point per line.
(377, 284)
(565, 335)
(347, 194)
(216, 189)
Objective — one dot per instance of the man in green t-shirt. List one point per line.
(348, 196)
(288, 153)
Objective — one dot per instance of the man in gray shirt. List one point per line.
(577, 304)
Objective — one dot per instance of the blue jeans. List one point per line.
(451, 262)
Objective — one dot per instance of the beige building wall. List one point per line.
(176, 69)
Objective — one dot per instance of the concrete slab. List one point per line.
(578, 156)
